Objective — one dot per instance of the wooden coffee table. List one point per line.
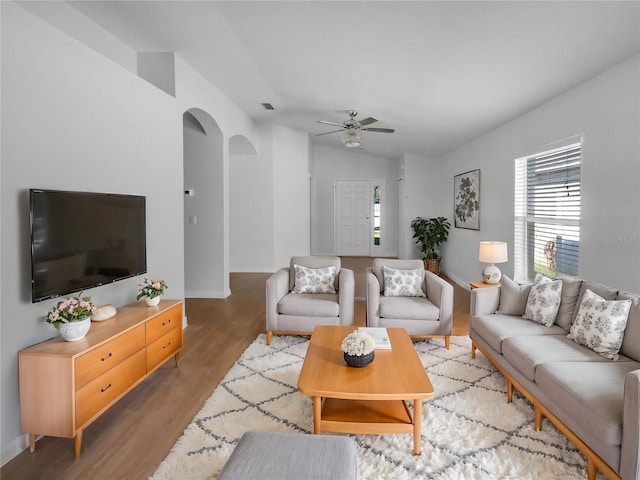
(370, 399)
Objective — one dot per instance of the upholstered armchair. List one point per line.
(312, 291)
(391, 301)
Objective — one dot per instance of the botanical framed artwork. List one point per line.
(466, 200)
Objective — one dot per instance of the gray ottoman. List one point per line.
(291, 456)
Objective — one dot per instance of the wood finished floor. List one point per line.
(131, 439)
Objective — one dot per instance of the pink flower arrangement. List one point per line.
(151, 288)
(70, 310)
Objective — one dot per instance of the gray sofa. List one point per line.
(593, 400)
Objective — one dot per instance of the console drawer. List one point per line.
(99, 360)
(161, 324)
(100, 392)
(163, 348)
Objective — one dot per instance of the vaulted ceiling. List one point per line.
(439, 72)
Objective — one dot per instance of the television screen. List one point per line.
(81, 240)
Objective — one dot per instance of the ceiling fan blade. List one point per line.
(326, 133)
(331, 123)
(368, 121)
(382, 130)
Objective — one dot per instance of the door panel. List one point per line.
(353, 207)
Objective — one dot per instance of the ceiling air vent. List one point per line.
(267, 106)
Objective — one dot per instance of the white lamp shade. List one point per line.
(493, 252)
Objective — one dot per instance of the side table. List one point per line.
(483, 285)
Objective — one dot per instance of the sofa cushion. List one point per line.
(310, 305)
(314, 280)
(544, 300)
(631, 343)
(412, 308)
(600, 324)
(495, 328)
(568, 302)
(402, 282)
(527, 352)
(589, 394)
(513, 297)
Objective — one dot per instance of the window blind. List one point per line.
(547, 213)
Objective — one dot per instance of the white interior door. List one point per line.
(353, 210)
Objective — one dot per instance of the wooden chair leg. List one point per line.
(591, 469)
(509, 391)
(537, 425)
(473, 350)
(269, 334)
(447, 341)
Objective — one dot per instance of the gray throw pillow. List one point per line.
(403, 283)
(314, 280)
(568, 302)
(513, 297)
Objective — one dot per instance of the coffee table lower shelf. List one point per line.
(366, 417)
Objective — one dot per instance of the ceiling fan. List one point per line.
(352, 128)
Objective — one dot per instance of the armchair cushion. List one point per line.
(310, 305)
(314, 280)
(410, 308)
(403, 283)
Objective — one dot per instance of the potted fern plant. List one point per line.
(430, 233)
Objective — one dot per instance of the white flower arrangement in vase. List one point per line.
(151, 290)
(358, 349)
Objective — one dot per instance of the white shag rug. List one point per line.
(469, 431)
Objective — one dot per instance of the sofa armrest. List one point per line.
(346, 295)
(629, 463)
(277, 288)
(484, 301)
(373, 298)
(440, 293)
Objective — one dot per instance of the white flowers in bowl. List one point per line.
(358, 344)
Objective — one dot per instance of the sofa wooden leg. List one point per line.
(537, 425)
(447, 341)
(509, 391)
(269, 334)
(591, 469)
(473, 350)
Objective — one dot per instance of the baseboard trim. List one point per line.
(206, 294)
(14, 448)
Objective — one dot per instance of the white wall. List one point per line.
(423, 194)
(605, 111)
(77, 118)
(251, 208)
(291, 197)
(76, 121)
(331, 164)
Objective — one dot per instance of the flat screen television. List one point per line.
(81, 240)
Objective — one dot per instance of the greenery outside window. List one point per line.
(547, 213)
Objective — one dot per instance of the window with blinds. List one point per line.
(547, 213)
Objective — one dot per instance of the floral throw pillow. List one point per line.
(314, 280)
(544, 300)
(403, 283)
(600, 324)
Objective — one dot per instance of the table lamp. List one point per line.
(492, 252)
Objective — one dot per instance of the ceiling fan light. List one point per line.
(351, 138)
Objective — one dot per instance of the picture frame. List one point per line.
(466, 200)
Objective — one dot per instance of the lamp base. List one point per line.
(491, 274)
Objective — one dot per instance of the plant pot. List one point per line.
(152, 302)
(359, 361)
(74, 331)
(432, 265)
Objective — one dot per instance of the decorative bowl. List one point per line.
(359, 361)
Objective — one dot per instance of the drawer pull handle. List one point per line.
(166, 323)
(105, 388)
(167, 345)
(104, 358)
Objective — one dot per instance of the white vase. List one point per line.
(152, 302)
(74, 331)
